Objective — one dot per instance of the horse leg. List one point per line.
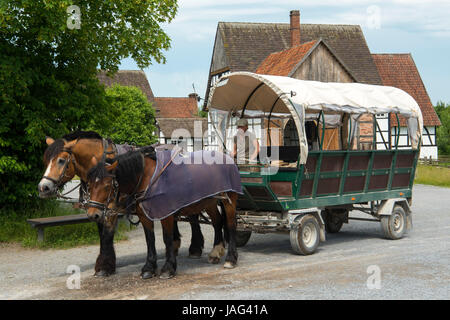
(176, 237)
(106, 260)
(170, 267)
(230, 224)
(219, 248)
(149, 269)
(197, 240)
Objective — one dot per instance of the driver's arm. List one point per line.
(254, 155)
(234, 152)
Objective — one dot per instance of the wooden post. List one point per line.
(40, 232)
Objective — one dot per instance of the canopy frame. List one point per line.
(313, 97)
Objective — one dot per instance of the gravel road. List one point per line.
(415, 267)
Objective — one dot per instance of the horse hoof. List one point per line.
(213, 260)
(147, 275)
(102, 274)
(229, 265)
(166, 275)
(195, 255)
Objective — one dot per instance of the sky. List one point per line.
(419, 27)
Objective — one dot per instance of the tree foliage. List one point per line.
(134, 116)
(443, 131)
(48, 67)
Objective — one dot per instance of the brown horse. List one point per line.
(131, 174)
(64, 158)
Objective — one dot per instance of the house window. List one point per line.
(212, 142)
(404, 141)
(216, 77)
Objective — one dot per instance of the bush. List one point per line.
(48, 74)
(134, 117)
(443, 131)
(38, 99)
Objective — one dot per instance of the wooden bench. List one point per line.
(41, 223)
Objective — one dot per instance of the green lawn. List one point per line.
(432, 175)
(14, 228)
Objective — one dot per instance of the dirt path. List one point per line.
(416, 267)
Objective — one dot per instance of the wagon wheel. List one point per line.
(333, 220)
(242, 238)
(394, 226)
(305, 237)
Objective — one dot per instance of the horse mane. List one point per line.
(129, 168)
(56, 147)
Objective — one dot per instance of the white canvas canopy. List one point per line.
(245, 91)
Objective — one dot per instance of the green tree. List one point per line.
(49, 56)
(443, 131)
(134, 116)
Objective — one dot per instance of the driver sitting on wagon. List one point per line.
(245, 144)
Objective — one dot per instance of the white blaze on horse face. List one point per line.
(46, 183)
(49, 168)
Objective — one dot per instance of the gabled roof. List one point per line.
(134, 78)
(282, 63)
(400, 71)
(248, 44)
(176, 107)
(285, 63)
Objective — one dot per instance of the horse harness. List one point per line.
(132, 198)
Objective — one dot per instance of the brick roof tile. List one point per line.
(283, 62)
(176, 107)
(400, 71)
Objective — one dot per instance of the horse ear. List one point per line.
(112, 166)
(70, 144)
(49, 140)
(94, 161)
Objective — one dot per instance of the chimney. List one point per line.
(194, 96)
(295, 28)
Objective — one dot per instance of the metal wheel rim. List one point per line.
(397, 222)
(309, 235)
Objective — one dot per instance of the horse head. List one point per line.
(103, 190)
(60, 166)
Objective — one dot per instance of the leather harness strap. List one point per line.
(160, 173)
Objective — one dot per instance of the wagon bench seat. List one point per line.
(41, 223)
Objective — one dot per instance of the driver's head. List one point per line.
(242, 124)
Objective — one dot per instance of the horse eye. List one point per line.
(61, 161)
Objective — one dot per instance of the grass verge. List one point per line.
(432, 175)
(14, 228)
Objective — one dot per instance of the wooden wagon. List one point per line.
(302, 188)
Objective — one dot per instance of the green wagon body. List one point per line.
(330, 178)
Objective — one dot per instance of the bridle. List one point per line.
(58, 182)
(114, 193)
(104, 207)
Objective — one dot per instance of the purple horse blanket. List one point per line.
(124, 148)
(189, 178)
